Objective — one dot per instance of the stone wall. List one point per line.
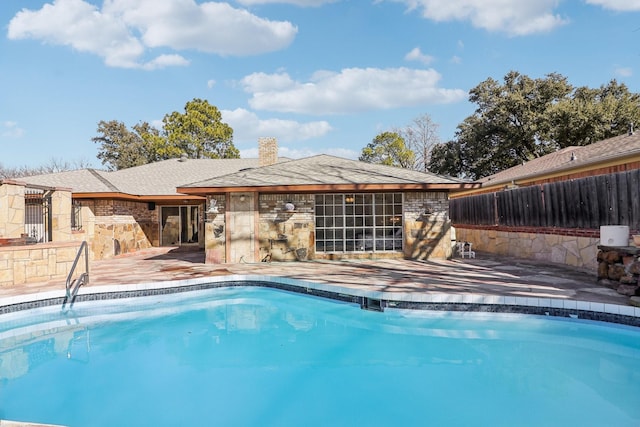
(570, 249)
(11, 209)
(114, 227)
(214, 231)
(61, 216)
(427, 228)
(38, 263)
(619, 269)
(286, 235)
(117, 234)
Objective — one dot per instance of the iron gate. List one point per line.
(37, 215)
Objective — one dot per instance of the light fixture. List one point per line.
(349, 198)
(213, 208)
(289, 207)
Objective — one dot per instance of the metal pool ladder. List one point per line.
(73, 286)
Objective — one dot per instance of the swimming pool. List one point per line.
(247, 356)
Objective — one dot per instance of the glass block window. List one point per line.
(358, 222)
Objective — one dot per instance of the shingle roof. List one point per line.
(164, 177)
(153, 179)
(80, 181)
(323, 170)
(570, 158)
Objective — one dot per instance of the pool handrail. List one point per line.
(73, 286)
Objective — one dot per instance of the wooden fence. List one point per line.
(612, 199)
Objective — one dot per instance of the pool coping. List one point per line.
(366, 298)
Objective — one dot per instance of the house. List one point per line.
(261, 209)
(550, 208)
(617, 154)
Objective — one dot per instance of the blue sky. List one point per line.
(323, 76)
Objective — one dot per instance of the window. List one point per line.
(76, 216)
(358, 222)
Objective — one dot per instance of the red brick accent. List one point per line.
(580, 232)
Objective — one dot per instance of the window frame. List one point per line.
(359, 222)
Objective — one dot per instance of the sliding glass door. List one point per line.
(179, 225)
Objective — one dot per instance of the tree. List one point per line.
(199, 132)
(445, 159)
(388, 148)
(54, 166)
(592, 115)
(525, 118)
(421, 136)
(121, 148)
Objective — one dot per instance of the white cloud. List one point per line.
(303, 3)
(617, 5)
(514, 17)
(247, 126)
(299, 153)
(163, 61)
(455, 59)
(417, 55)
(211, 83)
(123, 31)
(10, 129)
(351, 90)
(624, 71)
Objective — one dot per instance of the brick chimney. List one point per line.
(267, 151)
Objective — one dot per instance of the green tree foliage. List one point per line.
(199, 132)
(525, 118)
(592, 115)
(388, 148)
(445, 157)
(122, 148)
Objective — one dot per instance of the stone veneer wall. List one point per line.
(21, 264)
(290, 236)
(286, 236)
(38, 263)
(116, 227)
(61, 216)
(573, 247)
(214, 232)
(11, 209)
(427, 227)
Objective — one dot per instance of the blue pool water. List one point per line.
(261, 357)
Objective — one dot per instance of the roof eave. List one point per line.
(551, 173)
(317, 188)
(134, 197)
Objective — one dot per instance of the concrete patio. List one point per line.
(485, 275)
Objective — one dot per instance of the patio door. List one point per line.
(179, 225)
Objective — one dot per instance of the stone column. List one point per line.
(61, 215)
(11, 209)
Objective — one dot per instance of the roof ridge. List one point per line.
(104, 180)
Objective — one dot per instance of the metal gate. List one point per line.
(37, 215)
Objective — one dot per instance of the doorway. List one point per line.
(179, 225)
